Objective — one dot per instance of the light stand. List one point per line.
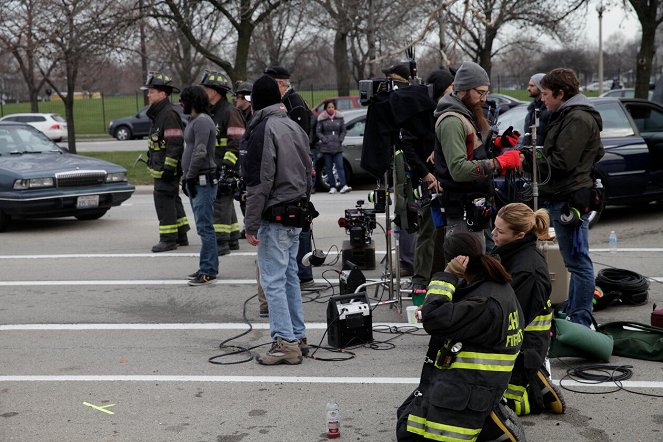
(535, 186)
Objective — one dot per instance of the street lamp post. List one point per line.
(600, 10)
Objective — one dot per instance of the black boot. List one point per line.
(233, 244)
(182, 240)
(164, 246)
(223, 248)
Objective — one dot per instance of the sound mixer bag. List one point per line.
(635, 340)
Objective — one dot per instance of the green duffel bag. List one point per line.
(574, 340)
(635, 340)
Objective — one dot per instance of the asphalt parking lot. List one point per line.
(103, 340)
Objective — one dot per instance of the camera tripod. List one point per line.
(390, 280)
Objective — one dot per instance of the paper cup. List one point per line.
(411, 314)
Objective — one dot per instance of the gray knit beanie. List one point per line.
(536, 79)
(470, 75)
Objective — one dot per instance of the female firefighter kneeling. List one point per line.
(474, 320)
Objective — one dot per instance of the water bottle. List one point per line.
(612, 240)
(333, 424)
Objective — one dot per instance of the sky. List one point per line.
(615, 19)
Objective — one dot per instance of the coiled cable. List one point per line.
(621, 286)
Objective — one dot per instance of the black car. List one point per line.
(39, 179)
(136, 126)
(631, 170)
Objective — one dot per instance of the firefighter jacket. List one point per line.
(461, 157)
(531, 283)
(229, 129)
(476, 332)
(166, 140)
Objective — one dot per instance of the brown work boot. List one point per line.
(552, 396)
(303, 346)
(282, 352)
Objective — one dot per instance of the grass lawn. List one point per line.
(136, 175)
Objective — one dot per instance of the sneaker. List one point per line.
(552, 396)
(194, 275)
(332, 190)
(264, 311)
(282, 352)
(346, 189)
(303, 346)
(163, 246)
(306, 284)
(202, 279)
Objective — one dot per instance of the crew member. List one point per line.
(243, 100)
(229, 129)
(277, 171)
(537, 105)
(571, 148)
(476, 333)
(463, 164)
(165, 147)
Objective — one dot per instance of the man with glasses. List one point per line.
(463, 164)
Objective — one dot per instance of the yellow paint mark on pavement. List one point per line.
(100, 408)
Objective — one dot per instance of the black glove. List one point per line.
(191, 187)
(168, 175)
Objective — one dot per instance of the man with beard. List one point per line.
(534, 91)
(463, 165)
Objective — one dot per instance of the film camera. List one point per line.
(370, 88)
(359, 223)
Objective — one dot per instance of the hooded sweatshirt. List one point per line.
(572, 146)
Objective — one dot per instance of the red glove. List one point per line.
(509, 138)
(509, 160)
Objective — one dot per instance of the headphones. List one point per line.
(570, 216)
(315, 258)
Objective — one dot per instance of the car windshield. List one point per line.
(24, 139)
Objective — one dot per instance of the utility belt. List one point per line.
(474, 208)
(294, 213)
(206, 178)
(579, 203)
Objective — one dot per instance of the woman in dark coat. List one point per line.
(330, 130)
(517, 228)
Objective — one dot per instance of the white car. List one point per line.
(51, 125)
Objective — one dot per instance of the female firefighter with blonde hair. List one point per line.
(517, 229)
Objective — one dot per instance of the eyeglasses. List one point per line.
(480, 92)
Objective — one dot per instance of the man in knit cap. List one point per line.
(463, 165)
(537, 105)
(277, 173)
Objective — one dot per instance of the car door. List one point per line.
(648, 118)
(354, 139)
(142, 123)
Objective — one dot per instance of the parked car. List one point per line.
(627, 92)
(594, 86)
(136, 126)
(39, 179)
(342, 104)
(52, 125)
(632, 168)
(504, 102)
(355, 122)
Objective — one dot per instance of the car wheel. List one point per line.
(123, 133)
(91, 216)
(4, 221)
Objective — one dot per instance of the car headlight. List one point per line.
(33, 183)
(116, 177)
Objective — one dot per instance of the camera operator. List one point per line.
(463, 163)
(417, 151)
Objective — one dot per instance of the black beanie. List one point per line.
(265, 93)
(440, 79)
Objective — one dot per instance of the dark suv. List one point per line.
(136, 126)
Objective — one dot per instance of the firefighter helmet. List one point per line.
(161, 81)
(217, 81)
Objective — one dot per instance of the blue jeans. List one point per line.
(579, 264)
(305, 273)
(277, 255)
(334, 159)
(203, 212)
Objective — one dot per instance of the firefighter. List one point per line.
(229, 129)
(474, 320)
(165, 148)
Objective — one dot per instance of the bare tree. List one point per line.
(79, 31)
(243, 16)
(19, 35)
(650, 15)
(480, 22)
